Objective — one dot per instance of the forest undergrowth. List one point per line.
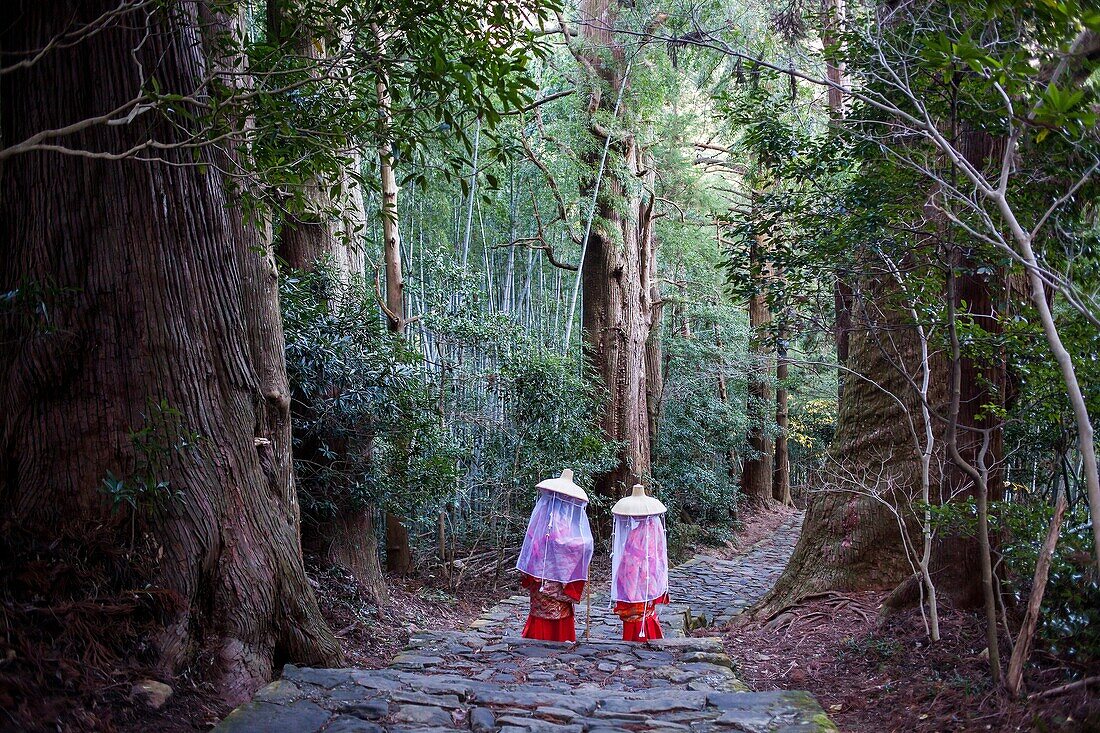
(872, 673)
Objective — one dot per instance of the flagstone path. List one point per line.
(488, 680)
(707, 586)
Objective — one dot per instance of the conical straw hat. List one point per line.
(563, 485)
(638, 504)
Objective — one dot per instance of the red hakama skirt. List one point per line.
(551, 617)
(639, 616)
(547, 629)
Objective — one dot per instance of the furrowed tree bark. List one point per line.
(398, 553)
(141, 282)
(329, 230)
(617, 319)
(979, 476)
(832, 23)
(756, 473)
(956, 558)
(852, 521)
(617, 277)
(850, 540)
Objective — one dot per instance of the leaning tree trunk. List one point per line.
(398, 550)
(617, 278)
(781, 469)
(140, 282)
(327, 230)
(756, 474)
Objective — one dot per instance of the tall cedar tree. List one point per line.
(619, 278)
(140, 281)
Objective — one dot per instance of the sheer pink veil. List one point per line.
(639, 559)
(558, 544)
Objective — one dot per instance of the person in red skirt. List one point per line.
(554, 559)
(639, 565)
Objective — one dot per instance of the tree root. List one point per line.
(786, 618)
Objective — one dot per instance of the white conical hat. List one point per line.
(638, 504)
(563, 485)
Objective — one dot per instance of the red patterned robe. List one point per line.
(636, 616)
(551, 616)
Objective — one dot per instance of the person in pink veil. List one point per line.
(554, 559)
(639, 565)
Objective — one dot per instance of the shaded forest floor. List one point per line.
(371, 636)
(885, 677)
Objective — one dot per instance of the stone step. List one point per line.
(546, 687)
(687, 663)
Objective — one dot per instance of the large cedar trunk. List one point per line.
(139, 282)
(328, 231)
(398, 551)
(956, 558)
(850, 540)
(832, 24)
(327, 227)
(617, 313)
(617, 317)
(349, 541)
(756, 474)
(982, 393)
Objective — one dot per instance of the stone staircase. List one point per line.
(447, 681)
